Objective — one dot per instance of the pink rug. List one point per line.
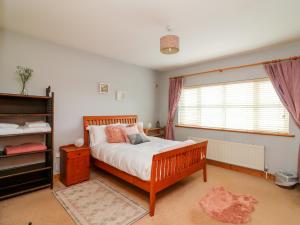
(226, 207)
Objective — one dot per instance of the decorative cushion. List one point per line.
(115, 134)
(137, 138)
(97, 133)
(140, 126)
(129, 130)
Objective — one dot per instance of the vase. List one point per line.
(157, 124)
(24, 90)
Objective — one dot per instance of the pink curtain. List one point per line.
(285, 77)
(175, 87)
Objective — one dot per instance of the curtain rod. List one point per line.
(236, 67)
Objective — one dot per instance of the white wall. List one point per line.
(281, 152)
(73, 76)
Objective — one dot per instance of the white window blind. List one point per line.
(249, 105)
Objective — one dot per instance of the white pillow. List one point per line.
(140, 126)
(97, 134)
(120, 124)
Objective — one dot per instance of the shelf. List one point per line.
(24, 114)
(24, 96)
(24, 153)
(24, 134)
(24, 188)
(6, 173)
(23, 183)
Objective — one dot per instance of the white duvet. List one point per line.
(135, 160)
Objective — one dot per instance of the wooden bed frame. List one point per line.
(167, 167)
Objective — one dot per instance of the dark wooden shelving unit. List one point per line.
(23, 178)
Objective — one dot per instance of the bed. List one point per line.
(165, 168)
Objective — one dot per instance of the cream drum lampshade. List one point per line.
(169, 44)
(149, 125)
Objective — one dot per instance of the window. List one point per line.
(249, 105)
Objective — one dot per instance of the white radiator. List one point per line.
(246, 155)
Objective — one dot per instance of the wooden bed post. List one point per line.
(152, 187)
(152, 201)
(204, 172)
(203, 158)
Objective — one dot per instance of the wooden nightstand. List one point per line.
(155, 132)
(74, 164)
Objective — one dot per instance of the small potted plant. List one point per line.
(24, 73)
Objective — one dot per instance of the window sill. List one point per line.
(237, 131)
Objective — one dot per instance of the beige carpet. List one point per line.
(177, 205)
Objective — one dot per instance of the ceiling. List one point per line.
(130, 30)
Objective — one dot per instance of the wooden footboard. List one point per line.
(171, 166)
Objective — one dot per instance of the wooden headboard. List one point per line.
(105, 120)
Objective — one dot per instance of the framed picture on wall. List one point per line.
(103, 88)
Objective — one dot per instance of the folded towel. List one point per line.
(27, 147)
(26, 129)
(8, 125)
(7, 131)
(36, 124)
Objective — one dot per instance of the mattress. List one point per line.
(135, 160)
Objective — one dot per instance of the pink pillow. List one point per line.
(139, 126)
(129, 130)
(115, 134)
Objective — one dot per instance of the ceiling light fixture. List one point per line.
(169, 44)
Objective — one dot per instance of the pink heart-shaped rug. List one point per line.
(227, 207)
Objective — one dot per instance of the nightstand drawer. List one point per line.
(79, 153)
